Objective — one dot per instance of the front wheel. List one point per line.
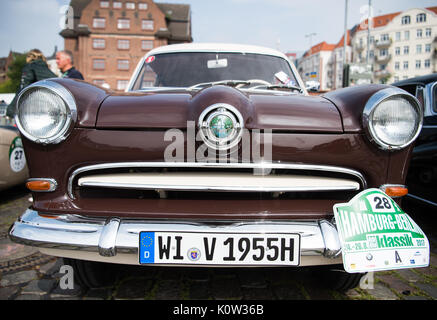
(338, 279)
(90, 274)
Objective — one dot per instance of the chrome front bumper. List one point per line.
(116, 240)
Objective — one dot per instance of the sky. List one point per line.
(279, 24)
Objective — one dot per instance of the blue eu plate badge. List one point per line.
(147, 247)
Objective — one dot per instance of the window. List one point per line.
(384, 37)
(122, 84)
(147, 44)
(99, 23)
(104, 4)
(123, 24)
(406, 49)
(407, 35)
(99, 64)
(99, 82)
(418, 48)
(427, 63)
(419, 33)
(405, 65)
(123, 65)
(130, 5)
(421, 17)
(372, 39)
(428, 32)
(396, 79)
(123, 44)
(142, 6)
(428, 47)
(397, 51)
(117, 5)
(405, 20)
(398, 36)
(397, 65)
(418, 62)
(99, 44)
(147, 25)
(383, 52)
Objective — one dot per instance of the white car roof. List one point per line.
(216, 47)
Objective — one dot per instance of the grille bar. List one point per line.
(259, 168)
(237, 182)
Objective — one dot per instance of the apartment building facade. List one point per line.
(313, 66)
(109, 37)
(402, 45)
(323, 63)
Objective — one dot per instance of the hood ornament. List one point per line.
(221, 126)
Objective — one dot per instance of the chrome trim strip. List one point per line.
(214, 188)
(422, 199)
(117, 236)
(257, 167)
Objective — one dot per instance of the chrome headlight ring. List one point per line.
(70, 111)
(383, 96)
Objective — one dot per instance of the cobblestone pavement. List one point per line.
(29, 275)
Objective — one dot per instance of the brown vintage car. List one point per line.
(214, 156)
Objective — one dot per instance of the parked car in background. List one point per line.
(215, 156)
(422, 175)
(12, 159)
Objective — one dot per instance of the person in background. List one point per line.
(64, 60)
(36, 69)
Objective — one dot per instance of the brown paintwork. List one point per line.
(259, 111)
(88, 99)
(295, 144)
(350, 102)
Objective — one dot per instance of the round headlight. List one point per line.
(45, 112)
(393, 118)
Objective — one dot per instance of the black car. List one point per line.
(422, 177)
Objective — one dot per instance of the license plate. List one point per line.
(189, 248)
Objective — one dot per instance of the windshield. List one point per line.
(186, 69)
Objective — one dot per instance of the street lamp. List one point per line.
(310, 35)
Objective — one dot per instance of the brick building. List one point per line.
(5, 63)
(109, 37)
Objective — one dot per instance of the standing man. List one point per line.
(64, 60)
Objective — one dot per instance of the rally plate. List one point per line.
(199, 248)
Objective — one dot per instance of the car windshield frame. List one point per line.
(231, 66)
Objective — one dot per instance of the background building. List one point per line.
(402, 44)
(109, 37)
(5, 64)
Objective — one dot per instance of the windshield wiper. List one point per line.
(231, 83)
(282, 86)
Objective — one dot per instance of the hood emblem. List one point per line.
(221, 126)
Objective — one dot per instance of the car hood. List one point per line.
(260, 110)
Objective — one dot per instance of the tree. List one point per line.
(14, 75)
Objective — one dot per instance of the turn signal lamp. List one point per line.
(395, 191)
(41, 185)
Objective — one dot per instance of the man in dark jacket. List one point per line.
(64, 60)
(36, 69)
